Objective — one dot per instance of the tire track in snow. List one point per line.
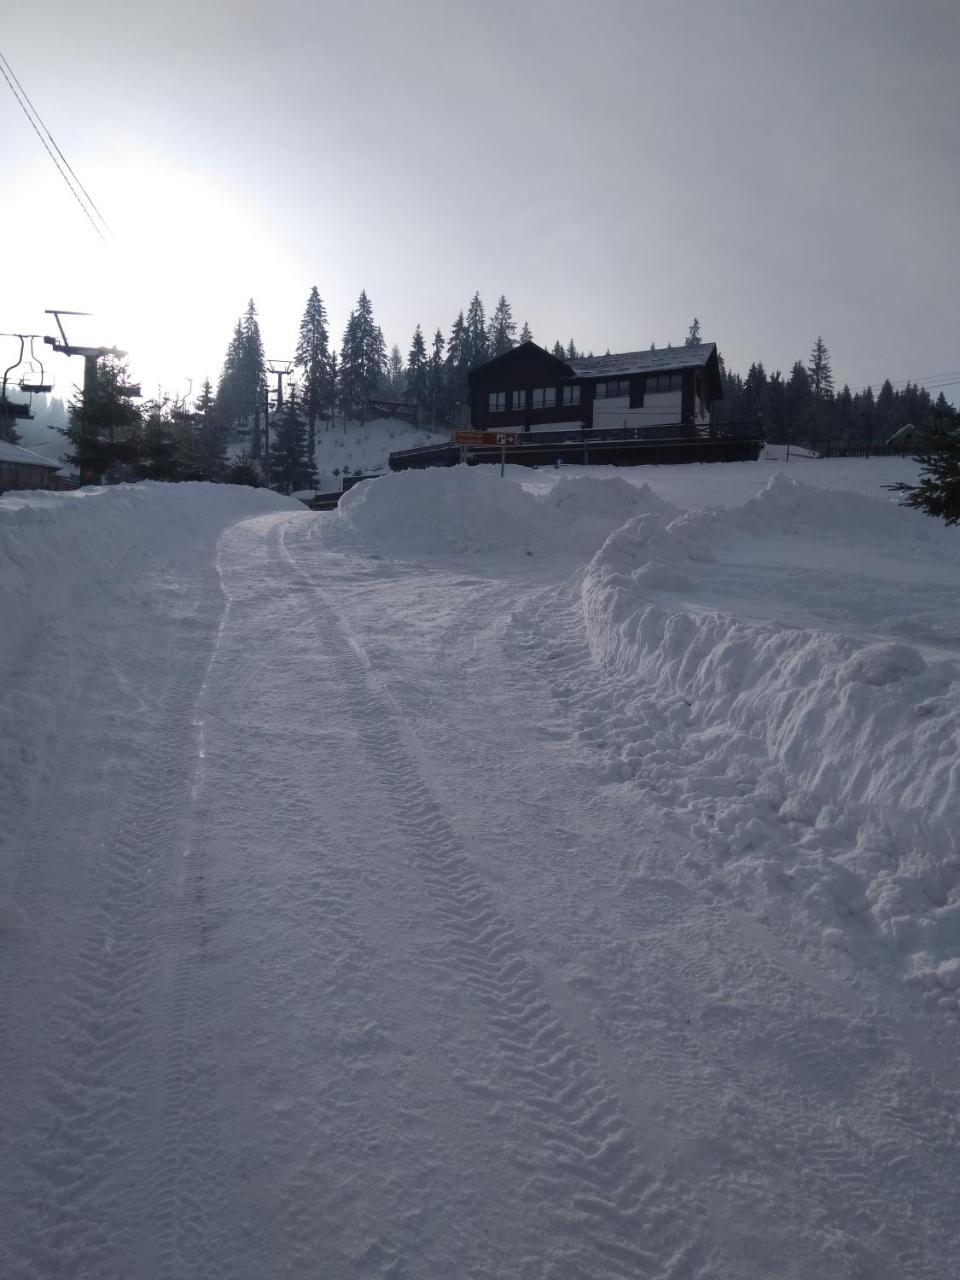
(613, 1213)
(185, 1135)
(820, 1031)
(87, 1203)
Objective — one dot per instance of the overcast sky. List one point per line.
(780, 170)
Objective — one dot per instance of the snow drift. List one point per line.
(435, 514)
(767, 730)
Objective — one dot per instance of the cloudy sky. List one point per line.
(615, 167)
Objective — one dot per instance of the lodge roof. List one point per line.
(13, 453)
(656, 361)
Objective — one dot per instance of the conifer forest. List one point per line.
(259, 425)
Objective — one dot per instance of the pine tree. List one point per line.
(417, 373)
(211, 430)
(866, 411)
(362, 360)
(230, 397)
(313, 359)
(435, 378)
(773, 408)
(571, 352)
(395, 379)
(525, 334)
(253, 372)
(502, 329)
(799, 405)
(291, 465)
(558, 350)
(886, 411)
(457, 366)
(938, 493)
(693, 334)
(104, 427)
(844, 417)
(821, 376)
(477, 349)
(753, 391)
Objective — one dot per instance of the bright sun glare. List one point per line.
(168, 286)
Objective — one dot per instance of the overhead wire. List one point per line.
(33, 116)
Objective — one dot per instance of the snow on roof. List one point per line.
(14, 453)
(626, 362)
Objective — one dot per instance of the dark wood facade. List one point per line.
(527, 389)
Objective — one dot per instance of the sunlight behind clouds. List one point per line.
(177, 237)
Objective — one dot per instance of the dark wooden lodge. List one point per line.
(634, 407)
(527, 389)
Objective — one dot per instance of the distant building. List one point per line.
(529, 390)
(908, 437)
(23, 469)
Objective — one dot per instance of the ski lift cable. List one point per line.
(53, 140)
(4, 66)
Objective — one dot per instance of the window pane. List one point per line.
(601, 391)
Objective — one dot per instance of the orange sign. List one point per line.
(489, 438)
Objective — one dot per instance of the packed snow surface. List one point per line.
(547, 877)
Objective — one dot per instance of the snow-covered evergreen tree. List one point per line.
(693, 335)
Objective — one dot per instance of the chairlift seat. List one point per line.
(36, 388)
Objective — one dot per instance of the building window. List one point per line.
(657, 382)
(544, 397)
(571, 395)
(497, 401)
(519, 401)
(613, 390)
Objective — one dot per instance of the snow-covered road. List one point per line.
(332, 946)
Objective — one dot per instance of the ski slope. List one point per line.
(554, 879)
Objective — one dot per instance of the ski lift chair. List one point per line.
(32, 381)
(13, 408)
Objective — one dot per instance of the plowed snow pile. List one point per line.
(470, 511)
(773, 699)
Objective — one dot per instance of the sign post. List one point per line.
(486, 440)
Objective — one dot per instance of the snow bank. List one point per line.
(75, 542)
(472, 511)
(845, 738)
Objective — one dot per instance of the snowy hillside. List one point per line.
(549, 877)
(366, 448)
